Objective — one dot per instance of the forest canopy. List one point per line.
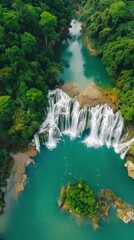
(29, 30)
(110, 26)
(79, 199)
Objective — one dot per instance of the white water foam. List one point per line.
(66, 117)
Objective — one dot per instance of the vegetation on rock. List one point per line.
(79, 199)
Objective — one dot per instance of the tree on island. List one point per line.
(79, 199)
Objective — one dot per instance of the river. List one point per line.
(35, 214)
(79, 66)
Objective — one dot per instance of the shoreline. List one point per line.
(21, 161)
(88, 41)
(17, 179)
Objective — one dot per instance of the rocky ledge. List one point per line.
(21, 161)
(130, 168)
(126, 215)
(92, 95)
(130, 161)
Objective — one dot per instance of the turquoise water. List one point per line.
(79, 66)
(36, 214)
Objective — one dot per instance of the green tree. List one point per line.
(117, 10)
(48, 23)
(6, 109)
(28, 42)
(79, 199)
(10, 20)
(35, 95)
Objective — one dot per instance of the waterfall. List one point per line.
(37, 142)
(66, 117)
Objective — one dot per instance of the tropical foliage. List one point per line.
(79, 199)
(110, 26)
(29, 30)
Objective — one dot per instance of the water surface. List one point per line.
(79, 66)
(36, 214)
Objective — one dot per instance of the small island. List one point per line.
(79, 199)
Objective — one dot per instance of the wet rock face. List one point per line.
(91, 96)
(2, 203)
(130, 167)
(126, 215)
(71, 89)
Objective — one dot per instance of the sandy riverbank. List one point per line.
(21, 161)
(89, 46)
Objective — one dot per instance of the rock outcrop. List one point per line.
(91, 96)
(70, 89)
(108, 199)
(130, 157)
(22, 160)
(126, 215)
(130, 168)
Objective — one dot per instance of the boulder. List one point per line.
(130, 167)
(126, 215)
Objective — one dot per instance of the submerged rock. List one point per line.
(107, 198)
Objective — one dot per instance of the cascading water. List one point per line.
(66, 117)
(37, 142)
